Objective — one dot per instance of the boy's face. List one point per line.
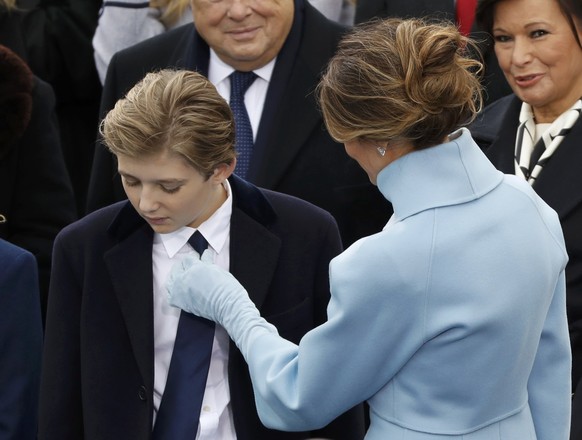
(169, 193)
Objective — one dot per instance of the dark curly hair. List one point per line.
(16, 82)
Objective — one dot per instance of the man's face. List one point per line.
(246, 34)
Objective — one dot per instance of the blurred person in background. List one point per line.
(36, 200)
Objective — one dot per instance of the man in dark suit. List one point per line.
(287, 44)
(111, 342)
(494, 82)
(20, 342)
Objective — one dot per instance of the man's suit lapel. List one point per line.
(290, 113)
(130, 267)
(197, 52)
(254, 255)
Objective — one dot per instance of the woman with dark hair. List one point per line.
(535, 133)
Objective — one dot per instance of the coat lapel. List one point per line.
(560, 182)
(501, 151)
(292, 112)
(130, 267)
(254, 255)
(254, 249)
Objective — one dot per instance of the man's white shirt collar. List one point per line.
(218, 70)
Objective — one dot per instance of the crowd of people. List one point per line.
(291, 219)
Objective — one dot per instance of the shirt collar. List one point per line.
(215, 230)
(219, 71)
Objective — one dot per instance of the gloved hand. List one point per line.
(200, 287)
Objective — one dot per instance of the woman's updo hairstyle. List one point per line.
(401, 80)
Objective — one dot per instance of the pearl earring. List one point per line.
(381, 151)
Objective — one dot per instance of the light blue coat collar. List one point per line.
(448, 174)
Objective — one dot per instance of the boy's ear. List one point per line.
(223, 171)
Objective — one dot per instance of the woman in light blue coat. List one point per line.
(451, 321)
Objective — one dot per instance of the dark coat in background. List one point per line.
(36, 200)
(58, 38)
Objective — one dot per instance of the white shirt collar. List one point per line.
(218, 70)
(215, 230)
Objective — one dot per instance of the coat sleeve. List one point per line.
(550, 384)
(20, 345)
(350, 425)
(61, 405)
(298, 386)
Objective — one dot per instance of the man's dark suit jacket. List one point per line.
(367, 9)
(294, 154)
(20, 343)
(494, 81)
(98, 366)
(560, 186)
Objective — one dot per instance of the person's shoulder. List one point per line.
(296, 212)
(494, 112)
(544, 211)
(43, 90)
(265, 204)
(10, 252)
(489, 121)
(93, 224)
(19, 272)
(281, 201)
(289, 215)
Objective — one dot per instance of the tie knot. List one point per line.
(198, 242)
(241, 81)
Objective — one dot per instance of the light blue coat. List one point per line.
(451, 322)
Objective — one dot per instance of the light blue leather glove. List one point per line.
(200, 287)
